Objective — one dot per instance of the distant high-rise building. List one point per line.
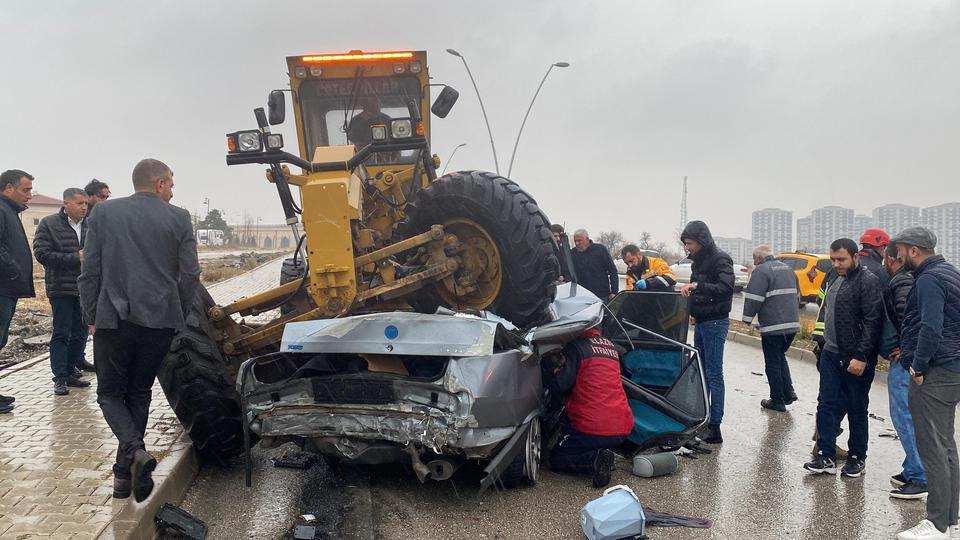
(894, 218)
(828, 224)
(739, 249)
(944, 221)
(805, 235)
(860, 224)
(773, 227)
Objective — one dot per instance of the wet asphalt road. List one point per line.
(752, 486)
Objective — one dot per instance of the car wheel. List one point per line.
(525, 467)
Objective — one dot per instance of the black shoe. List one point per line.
(86, 366)
(60, 388)
(910, 491)
(603, 468)
(790, 397)
(6, 400)
(121, 487)
(77, 383)
(6, 408)
(143, 466)
(821, 465)
(898, 480)
(713, 435)
(76, 373)
(773, 405)
(853, 467)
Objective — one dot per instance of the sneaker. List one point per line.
(898, 480)
(60, 388)
(910, 491)
(773, 405)
(821, 465)
(77, 383)
(853, 467)
(4, 409)
(603, 468)
(954, 531)
(86, 366)
(77, 373)
(925, 530)
(713, 435)
(790, 397)
(6, 400)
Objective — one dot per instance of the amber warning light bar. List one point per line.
(324, 58)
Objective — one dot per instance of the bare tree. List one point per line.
(613, 241)
(646, 240)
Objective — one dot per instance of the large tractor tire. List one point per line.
(200, 386)
(292, 270)
(480, 207)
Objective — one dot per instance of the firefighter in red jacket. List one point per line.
(587, 373)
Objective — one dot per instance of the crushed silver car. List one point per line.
(434, 391)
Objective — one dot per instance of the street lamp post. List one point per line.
(206, 201)
(535, 94)
(496, 163)
(451, 158)
(258, 232)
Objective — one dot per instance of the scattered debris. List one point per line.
(653, 465)
(890, 434)
(180, 521)
(42, 339)
(758, 374)
(295, 460)
(880, 418)
(616, 514)
(309, 518)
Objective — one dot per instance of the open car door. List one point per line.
(662, 375)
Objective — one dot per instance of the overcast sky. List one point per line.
(760, 103)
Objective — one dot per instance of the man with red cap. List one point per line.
(872, 242)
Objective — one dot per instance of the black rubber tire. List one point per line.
(200, 386)
(517, 474)
(516, 224)
(290, 272)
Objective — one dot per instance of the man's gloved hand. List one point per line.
(640, 285)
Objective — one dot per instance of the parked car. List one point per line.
(741, 275)
(437, 391)
(810, 270)
(681, 269)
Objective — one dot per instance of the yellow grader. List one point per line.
(377, 230)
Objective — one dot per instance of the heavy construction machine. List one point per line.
(376, 229)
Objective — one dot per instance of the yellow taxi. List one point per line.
(810, 269)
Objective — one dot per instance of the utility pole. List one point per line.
(683, 205)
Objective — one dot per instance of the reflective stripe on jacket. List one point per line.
(771, 296)
(655, 271)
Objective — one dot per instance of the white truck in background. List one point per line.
(209, 237)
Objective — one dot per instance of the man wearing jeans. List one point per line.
(771, 296)
(139, 278)
(711, 293)
(58, 246)
(930, 348)
(911, 482)
(848, 331)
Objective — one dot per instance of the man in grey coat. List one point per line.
(139, 277)
(771, 296)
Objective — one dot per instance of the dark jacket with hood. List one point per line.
(596, 270)
(712, 271)
(16, 261)
(858, 315)
(57, 248)
(873, 262)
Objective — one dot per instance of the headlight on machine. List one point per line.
(378, 132)
(249, 141)
(401, 128)
(274, 141)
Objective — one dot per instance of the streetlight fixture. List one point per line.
(535, 94)
(496, 163)
(206, 201)
(451, 157)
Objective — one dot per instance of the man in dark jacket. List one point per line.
(587, 374)
(58, 246)
(848, 332)
(594, 266)
(911, 482)
(872, 244)
(930, 348)
(138, 279)
(711, 293)
(16, 262)
(771, 296)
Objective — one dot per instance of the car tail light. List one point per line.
(744, 270)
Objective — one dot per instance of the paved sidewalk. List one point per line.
(56, 452)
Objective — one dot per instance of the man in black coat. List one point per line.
(711, 293)
(16, 262)
(58, 246)
(139, 278)
(594, 266)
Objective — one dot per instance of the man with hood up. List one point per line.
(711, 297)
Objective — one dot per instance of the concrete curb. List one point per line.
(173, 477)
(795, 353)
(25, 364)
